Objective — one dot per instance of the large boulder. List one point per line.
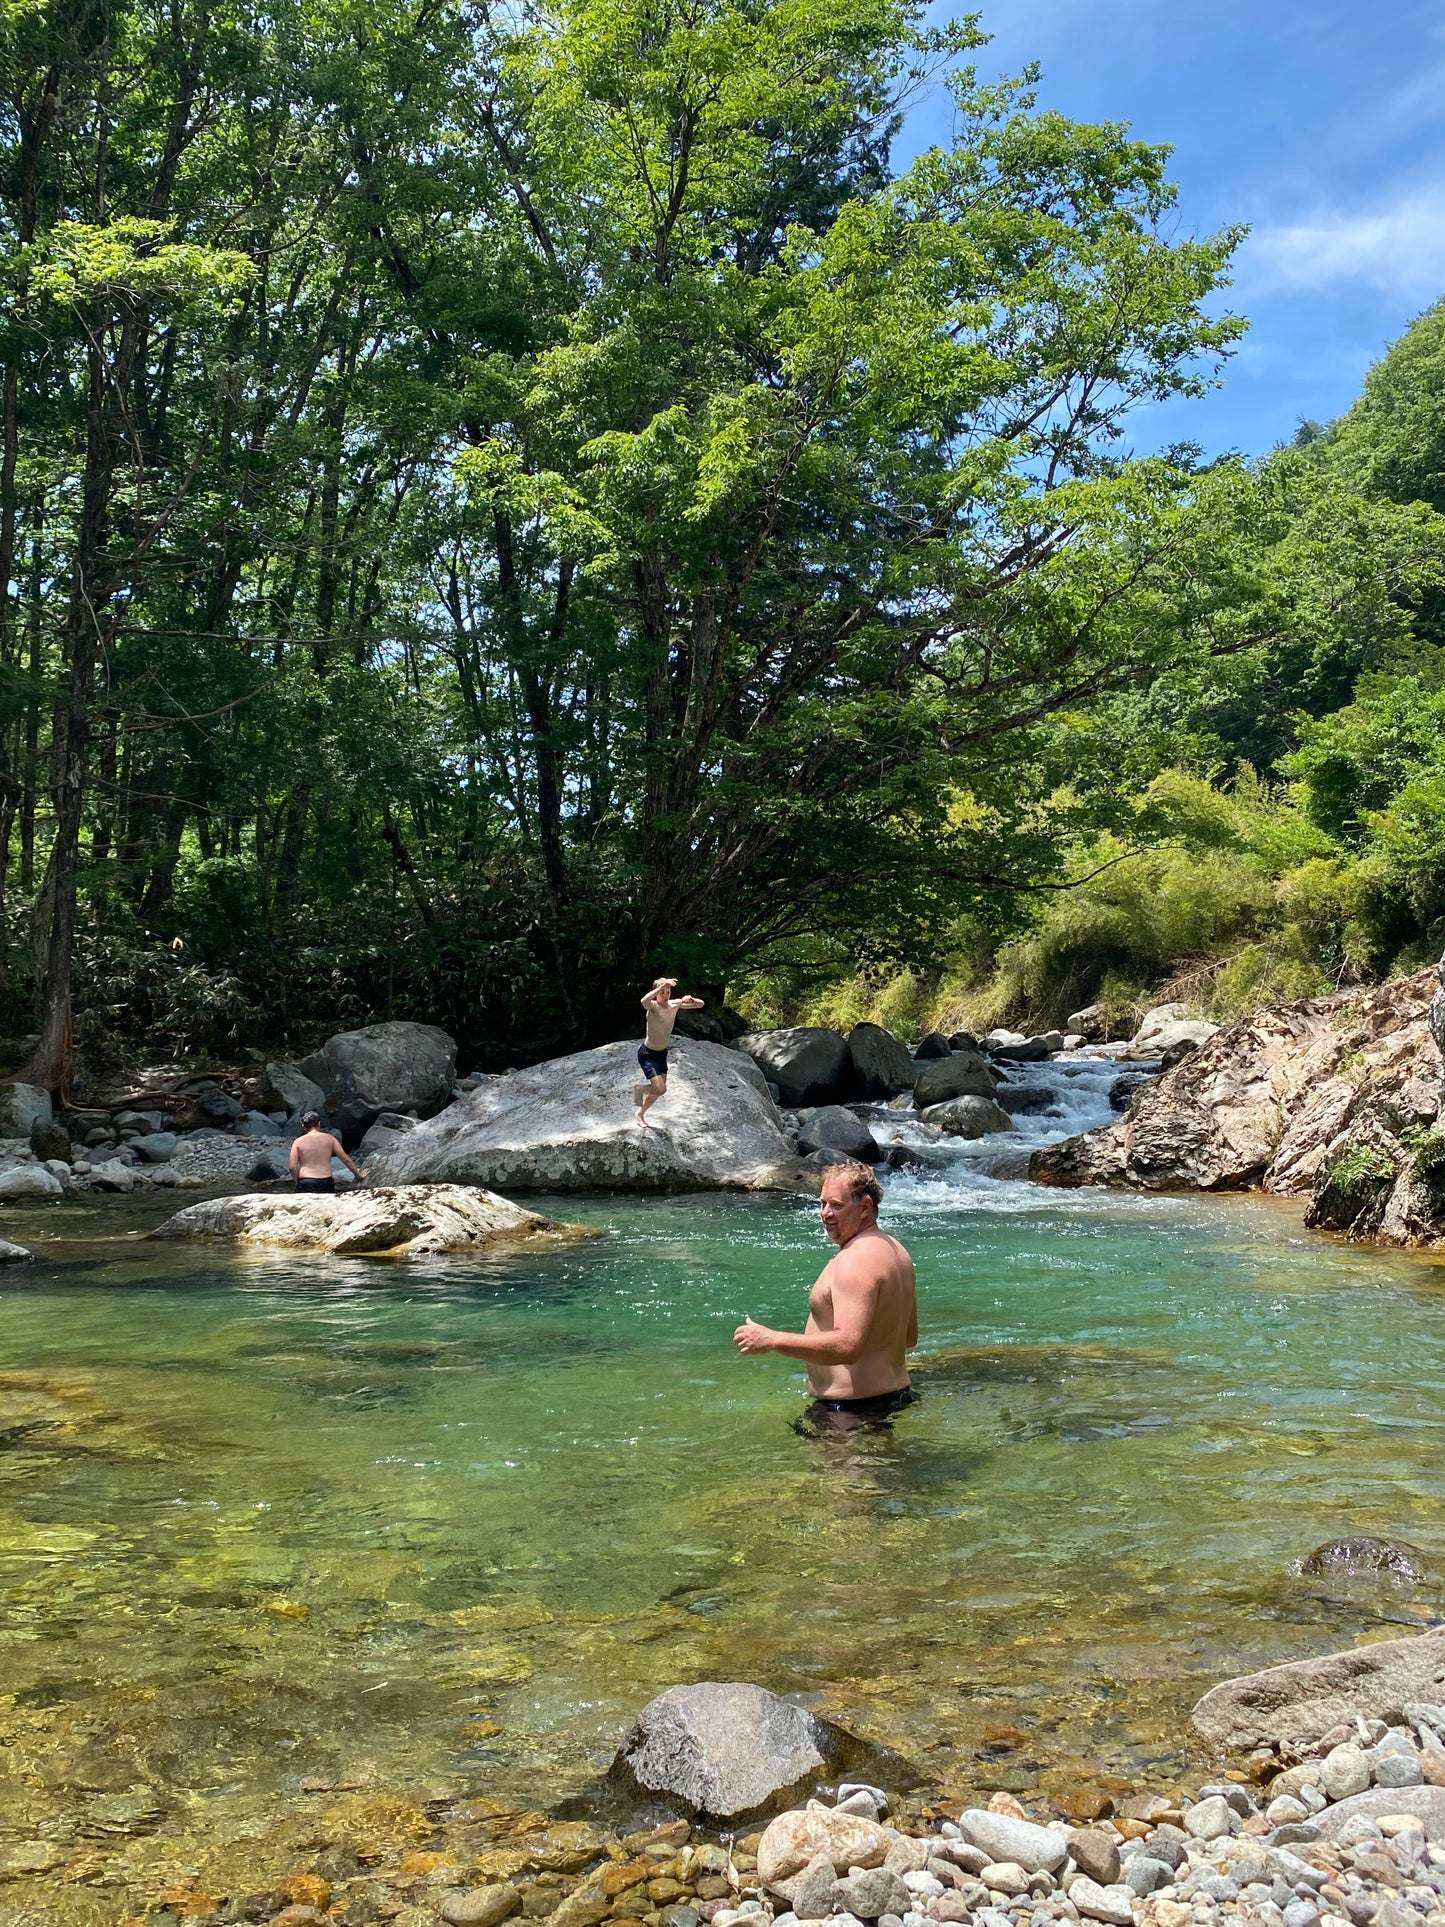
(965, 1074)
(1302, 1700)
(726, 1749)
(21, 1106)
(807, 1063)
(29, 1181)
(1164, 1028)
(385, 1067)
(410, 1221)
(1275, 1101)
(835, 1129)
(570, 1125)
(287, 1087)
(879, 1065)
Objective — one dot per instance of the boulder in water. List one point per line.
(965, 1074)
(1025, 1050)
(934, 1046)
(1360, 1555)
(14, 1254)
(968, 1117)
(407, 1221)
(385, 1067)
(21, 1181)
(570, 1125)
(1026, 1100)
(835, 1129)
(879, 1065)
(726, 1749)
(806, 1062)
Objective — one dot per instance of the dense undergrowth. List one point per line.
(1224, 896)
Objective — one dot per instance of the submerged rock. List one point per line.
(727, 1748)
(968, 1117)
(570, 1126)
(1302, 1700)
(14, 1254)
(408, 1221)
(1364, 1555)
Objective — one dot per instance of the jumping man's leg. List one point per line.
(656, 1088)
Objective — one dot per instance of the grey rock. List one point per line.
(847, 1788)
(20, 1106)
(292, 1089)
(479, 1906)
(1165, 1026)
(860, 1800)
(807, 1062)
(570, 1126)
(256, 1124)
(1344, 1770)
(29, 1181)
(679, 1914)
(1112, 1904)
(968, 1117)
(157, 1147)
(1144, 1875)
(1301, 1913)
(1361, 1907)
(1208, 1819)
(219, 1107)
(99, 1134)
(1002, 1837)
(1091, 1023)
(1026, 1100)
(11, 1254)
(1166, 1845)
(878, 1064)
(139, 1121)
(1396, 1770)
(1023, 1050)
(1294, 1833)
(1218, 1886)
(111, 1175)
(813, 1890)
(727, 1748)
(383, 1067)
(966, 1074)
(832, 1128)
(872, 1893)
(1302, 1700)
(1426, 1802)
(407, 1221)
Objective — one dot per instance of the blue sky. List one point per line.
(1321, 125)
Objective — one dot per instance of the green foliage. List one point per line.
(1362, 1166)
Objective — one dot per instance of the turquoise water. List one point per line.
(268, 1518)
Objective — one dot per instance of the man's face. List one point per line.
(843, 1215)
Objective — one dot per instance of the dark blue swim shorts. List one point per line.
(653, 1062)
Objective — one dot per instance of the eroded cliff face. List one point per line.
(1336, 1099)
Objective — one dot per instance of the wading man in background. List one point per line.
(662, 1008)
(862, 1313)
(311, 1156)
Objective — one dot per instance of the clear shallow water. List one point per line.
(267, 1518)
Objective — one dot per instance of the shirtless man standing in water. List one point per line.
(862, 1312)
(311, 1156)
(662, 1008)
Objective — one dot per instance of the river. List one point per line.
(269, 1519)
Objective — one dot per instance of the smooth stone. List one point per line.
(1144, 1875)
(1286, 1810)
(157, 1147)
(834, 1128)
(795, 1838)
(1004, 1838)
(1096, 1854)
(729, 1747)
(11, 1254)
(1208, 1819)
(1301, 1913)
(1298, 1833)
(907, 1855)
(1005, 1877)
(809, 1063)
(1344, 1770)
(1395, 1770)
(407, 1221)
(479, 1906)
(1114, 1904)
(1302, 1700)
(396, 1066)
(968, 1117)
(924, 1885)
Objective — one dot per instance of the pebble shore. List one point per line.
(1323, 1839)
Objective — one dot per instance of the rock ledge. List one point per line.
(404, 1221)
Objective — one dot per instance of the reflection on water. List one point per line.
(267, 1519)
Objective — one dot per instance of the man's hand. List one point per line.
(751, 1337)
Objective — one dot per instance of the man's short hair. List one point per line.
(861, 1180)
(310, 1120)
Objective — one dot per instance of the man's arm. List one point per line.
(649, 1000)
(295, 1158)
(337, 1151)
(689, 1003)
(855, 1295)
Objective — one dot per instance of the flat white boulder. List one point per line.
(406, 1221)
(569, 1125)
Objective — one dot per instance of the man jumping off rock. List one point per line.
(862, 1312)
(662, 1008)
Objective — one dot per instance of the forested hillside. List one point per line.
(489, 510)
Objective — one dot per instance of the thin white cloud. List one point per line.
(1397, 248)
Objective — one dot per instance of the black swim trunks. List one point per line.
(879, 1405)
(653, 1062)
(315, 1184)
